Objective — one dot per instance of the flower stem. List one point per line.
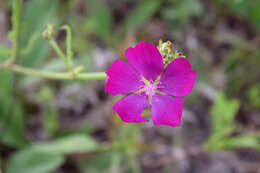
(60, 54)
(54, 75)
(68, 45)
(16, 31)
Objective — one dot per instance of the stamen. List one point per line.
(150, 89)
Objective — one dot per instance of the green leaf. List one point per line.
(45, 157)
(44, 12)
(34, 160)
(16, 11)
(14, 132)
(248, 141)
(223, 113)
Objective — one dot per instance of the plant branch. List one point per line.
(54, 75)
(68, 45)
(59, 52)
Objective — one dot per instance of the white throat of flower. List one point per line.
(150, 88)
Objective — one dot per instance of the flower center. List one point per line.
(150, 88)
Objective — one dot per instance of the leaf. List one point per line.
(34, 160)
(223, 113)
(16, 11)
(44, 12)
(248, 141)
(45, 157)
(14, 132)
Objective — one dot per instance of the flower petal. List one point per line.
(130, 108)
(166, 110)
(178, 78)
(122, 79)
(146, 59)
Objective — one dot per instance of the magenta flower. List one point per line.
(147, 83)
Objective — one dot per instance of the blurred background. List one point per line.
(69, 126)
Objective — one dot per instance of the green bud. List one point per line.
(48, 33)
(168, 52)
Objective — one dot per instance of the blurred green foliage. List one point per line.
(223, 116)
(45, 157)
(242, 8)
(178, 13)
(45, 97)
(44, 12)
(121, 151)
(254, 96)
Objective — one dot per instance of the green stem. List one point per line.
(68, 45)
(16, 21)
(54, 75)
(60, 54)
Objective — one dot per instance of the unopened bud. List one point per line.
(168, 52)
(48, 33)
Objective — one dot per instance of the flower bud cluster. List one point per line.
(48, 33)
(168, 52)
